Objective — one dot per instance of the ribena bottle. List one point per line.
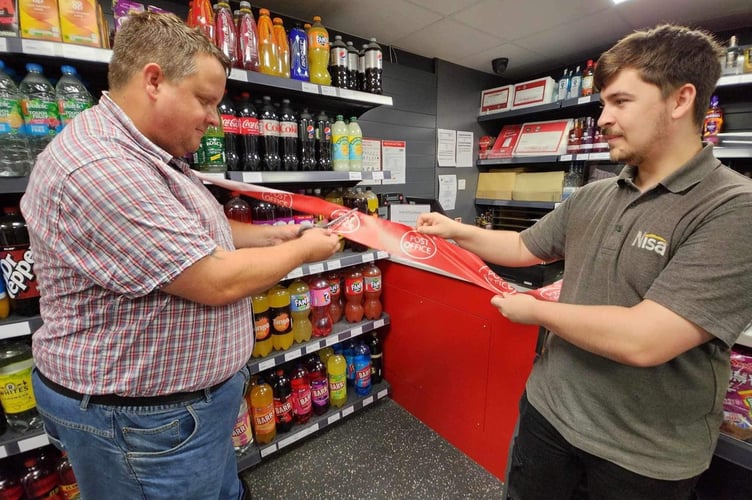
(288, 134)
(236, 208)
(269, 128)
(321, 318)
(248, 138)
(319, 385)
(301, 394)
(323, 142)
(231, 129)
(306, 141)
(283, 405)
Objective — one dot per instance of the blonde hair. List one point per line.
(164, 39)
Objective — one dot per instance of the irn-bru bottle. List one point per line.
(300, 309)
(336, 367)
(318, 53)
(268, 49)
(262, 411)
(279, 308)
(283, 48)
(262, 328)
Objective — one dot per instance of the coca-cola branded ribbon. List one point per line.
(399, 240)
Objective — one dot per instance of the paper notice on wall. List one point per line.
(393, 160)
(464, 149)
(447, 191)
(371, 159)
(446, 147)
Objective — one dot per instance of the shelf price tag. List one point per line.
(565, 158)
(328, 91)
(252, 177)
(311, 88)
(583, 100)
(331, 340)
(368, 401)
(266, 364)
(318, 267)
(295, 273)
(378, 323)
(377, 175)
(347, 411)
(333, 264)
(3, 48)
(293, 354)
(367, 257)
(382, 393)
(42, 48)
(15, 330)
(358, 330)
(333, 418)
(265, 452)
(355, 176)
(33, 443)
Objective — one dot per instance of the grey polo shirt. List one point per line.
(684, 244)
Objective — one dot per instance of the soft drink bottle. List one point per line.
(201, 16)
(10, 485)
(374, 345)
(211, 158)
(20, 407)
(372, 291)
(224, 32)
(283, 49)
(40, 480)
(362, 367)
(319, 385)
(72, 95)
(355, 145)
(231, 130)
(338, 62)
(348, 351)
(242, 432)
(336, 367)
(238, 209)
(340, 146)
(248, 144)
(298, 43)
(318, 53)
(300, 309)
(373, 68)
(335, 291)
(324, 354)
(15, 157)
(262, 411)
(17, 263)
(268, 49)
(68, 483)
(283, 215)
(353, 295)
(301, 394)
(269, 129)
(288, 134)
(263, 213)
(279, 307)
(323, 142)
(362, 67)
(352, 67)
(262, 328)
(248, 49)
(283, 406)
(39, 106)
(321, 318)
(306, 141)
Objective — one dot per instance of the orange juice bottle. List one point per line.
(268, 49)
(78, 22)
(318, 53)
(262, 411)
(262, 326)
(336, 367)
(283, 48)
(39, 19)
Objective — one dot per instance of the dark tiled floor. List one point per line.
(381, 452)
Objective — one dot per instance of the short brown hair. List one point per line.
(667, 56)
(150, 37)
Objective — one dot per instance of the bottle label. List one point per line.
(11, 118)
(372, 283)
(310, 132)
(249, 125)
(18, 270)
(230, 124)
(261, 325)
(337, 386)
(242, 434)
(373, 59)
(70, 108)
(356, 148)
(299, 48)
(319, 41)
(300, 302)
(321, 297)
(70, 491)
(281, 323)
(41, 117)
(338, 56)
(288, 129)
(320, 392)
(283, 409)
(214, 150)
(334, 287)
(353, 286)
(301, 397)
(269, 127)
(16, 394)
(362, 372)
(340, 150)
(263, 418)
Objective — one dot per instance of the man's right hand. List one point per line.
(320, 243)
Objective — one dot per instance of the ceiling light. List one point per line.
(617, 2)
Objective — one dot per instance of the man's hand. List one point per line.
(517, 307)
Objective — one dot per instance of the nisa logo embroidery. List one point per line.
(650, 242)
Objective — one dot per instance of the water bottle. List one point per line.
(373, 68)
(72, 96)
(288, 135)
(15, 159)
(39, 105)
(298, 42)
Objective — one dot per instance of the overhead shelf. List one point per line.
(307, 177)
(547, 205)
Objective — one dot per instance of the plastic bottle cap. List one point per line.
(37, 68)
(66, 69)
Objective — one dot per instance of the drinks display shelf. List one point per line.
(518, 160)
(547, 205)
(338, 261)
(13, 184)
(722, 152)
(551, 106)
(735, 451)
(308, 177)
(731, 80)
(19, 326)
(354, 403)
(12, 443)
(341, 331)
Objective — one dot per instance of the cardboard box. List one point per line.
(8, 18)
(538, 186)
(496, 100)
(495, 185)
(543, 138)
(506, 142)
(78, 22)
(533, 92)
(39, 20)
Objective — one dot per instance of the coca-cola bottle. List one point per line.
(248, 138)
(306, 141)
(269, 128)
(288, 134)
(283, 408)
(231, 128)
(323, 142)
(17, 263)
(319, 384)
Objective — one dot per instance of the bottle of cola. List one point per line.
(307, 141)
(231, 128)
(269, 128)
(373, 68)
(288, 134)
(248, 145)
(323, 142)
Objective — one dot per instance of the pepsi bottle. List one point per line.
(248, 143)
(230, 126)
(306, 141)
(269, 128)
(288, 134)
(323, 143)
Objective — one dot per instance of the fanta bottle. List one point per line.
(300, 309)
(262, 411)
(335, 292)
(319, 385)
(318, 53)
(336, 367)
(262, 326)
(268, 49)
(353, 295)
(372, 291)
(321, 300)
(279, 310)
(283, 409)
(301, 394)
(283, 48)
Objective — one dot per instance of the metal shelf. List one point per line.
(547, 205)
(13, 184)
(338, 261)
(735, 451)
(541, 108)
(19, 326)
(12, 443)
(307, 177)
(518, 160)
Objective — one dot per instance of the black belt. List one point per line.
(115, 400)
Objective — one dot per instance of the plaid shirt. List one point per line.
(112, 218)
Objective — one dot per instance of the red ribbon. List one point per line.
(397, 239)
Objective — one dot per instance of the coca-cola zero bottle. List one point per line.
(269, 128)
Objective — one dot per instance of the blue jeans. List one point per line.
(182, 450)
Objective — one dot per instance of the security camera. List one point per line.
(499, 65)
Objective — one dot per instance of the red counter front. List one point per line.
(454, 362)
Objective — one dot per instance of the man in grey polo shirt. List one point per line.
(627, 395)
